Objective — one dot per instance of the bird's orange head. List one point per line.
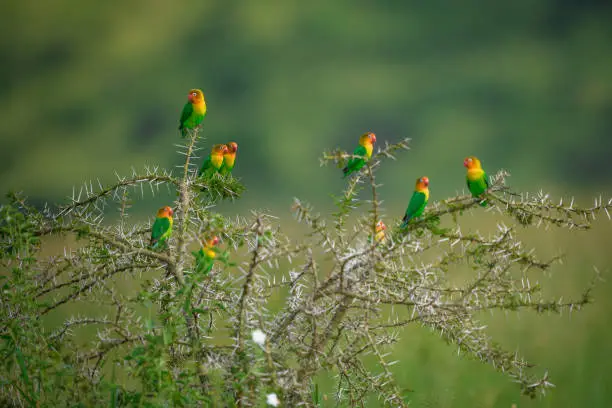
(472, 163)
(219, 149)
(380, 226)
(367, 138)
(232, 147)
(196, 96)
(165, 212)
(422, 183)
(212, 242)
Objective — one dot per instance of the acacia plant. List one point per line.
(113, 323)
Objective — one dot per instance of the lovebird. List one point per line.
(205, 257)
(418, 201)
(229, 158)
(193, 111)
(162, 228)
(477, 180)
(365, 149)
(215, 160)
(380, 232)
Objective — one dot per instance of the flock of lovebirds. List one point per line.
(222, 159)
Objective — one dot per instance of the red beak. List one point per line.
(373, 137)
(215, 240)
(465, 163)
(171, 212)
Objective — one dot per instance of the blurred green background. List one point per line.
(90, 88)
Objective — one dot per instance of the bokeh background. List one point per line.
(90, 88)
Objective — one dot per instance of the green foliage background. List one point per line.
(87, 88)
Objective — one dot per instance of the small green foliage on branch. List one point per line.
(114, 322)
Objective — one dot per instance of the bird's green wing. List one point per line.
(479, 186)
(416, 205)
(160, 229)
(187, 111)
(355, 163)
(360, 151)
(204, 263)
(207, 165)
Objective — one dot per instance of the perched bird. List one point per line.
(205, 257)
(418, 201)
(193, 111)
(477, 180)
(380, 232)
(229, 158)
(162, 228)
(215, 160)
(365, 148)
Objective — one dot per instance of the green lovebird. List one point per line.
(215, 160)
(477, 180)
(162, 228)
(229, 158)
(193, 111)
(205, 257)
(365, 148)
(379, 236)
(418, 201)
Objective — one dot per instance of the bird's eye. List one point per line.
(194, 94)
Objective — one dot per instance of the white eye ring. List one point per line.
(195, 94)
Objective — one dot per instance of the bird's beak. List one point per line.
(465, 163)
(171, 212)
(190, 97)
(373, 137)
(215, 240)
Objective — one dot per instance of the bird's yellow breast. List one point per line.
(199, 108)
(369, 149)
(230, 159)
(217, 160)
(209, 253)
(474, 174)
